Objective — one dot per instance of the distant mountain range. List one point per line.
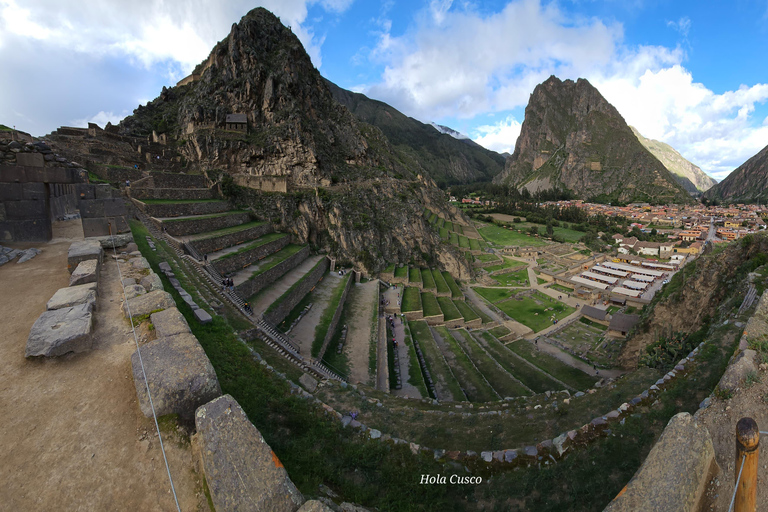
(689, 175)
(573, 140)
(748, 183)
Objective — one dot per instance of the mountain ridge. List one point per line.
(746, 183)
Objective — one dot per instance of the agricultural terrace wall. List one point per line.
(237, 261)
(202, 225)
(414, 315)
(250, 287)
(182, 209)
(474, 324)
(216, 243)
(336, 316)
(176, 194)
(434, 319)
(294, 296)
(115, 174)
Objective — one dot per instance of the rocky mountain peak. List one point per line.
(749, 182)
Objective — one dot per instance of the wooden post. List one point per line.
(747, 444)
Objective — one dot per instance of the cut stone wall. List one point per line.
(288, 302)
(241, 260)
(336, 316)
(217, 243)
(183, 209)
(258, 283)
(263, 183)
(194, 226)
(173, 180)
(176, 194)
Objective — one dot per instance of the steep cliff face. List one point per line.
(573, 139)
(689, 175)
(445, 158)
(749, 182)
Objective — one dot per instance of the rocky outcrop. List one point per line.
(689, 175)
(61, 331)
(573, 140)
(749, 182)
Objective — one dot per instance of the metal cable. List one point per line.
(735, 489)
(146, 382)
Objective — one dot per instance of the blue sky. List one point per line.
(691, 74)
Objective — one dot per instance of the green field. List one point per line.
(500, 331)
(517, 278)
(444, 233)
(506, 263)
(414, 275)
(569, 235)
(497, 377)
(454, 238)
(532, 311)
(485, 257)
(411, 299)
(390, 269)
(278, 257)
(450, 312)
(228, 231)
(507, 238)
(455, 290)
(494, 294)
(415, 377)
(427, 279)
(463, 242)
(442, 376)
(561, 288)
(529, 375)
(262, 240)
(442, 286)
(433, 218)
(473, 383)
(401, 272)
(574, 377)
(465, 309)
(330, 310)
(429, 305)
(474, 244)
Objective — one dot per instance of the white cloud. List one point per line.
(499, 137)
(101, 119)
(683, 25)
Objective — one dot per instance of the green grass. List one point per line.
(441, 222)
(450, 311)
(506, 263)
(411, 299)
(454, 238)
(433, 218)
(414, 275)
(541, 280)
(441, 374)
(465, 310)
(233, 229)
(265, 239)
(427, 279)
(429, 305)
(507, 238)
(455, 290)
(517, 367)
(390, 357)
(180, 201)
(592, 323)
(276, 258)
(613, 309)
(204, 217)
(561, 288)
(415, 377)
(497, 377)
(500, 331)
(517, 278)
(494, 295)
(295, 285)
(442, 286)
(444, 233)
(449, 225)
(485, 257)
(401, 272)
(390, 269)
(473, 383)
(531, 314)
(463, 242)
(325, 320)
(573, 377)
(474, 244)
(458, 229)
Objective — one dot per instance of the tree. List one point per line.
(534, 230)
(550, 229)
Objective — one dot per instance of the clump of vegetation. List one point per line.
(668, 350)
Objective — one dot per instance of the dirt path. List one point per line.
(362, 300)
(304, 332)
(72, 436)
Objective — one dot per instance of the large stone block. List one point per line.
(148, 303)
(35, 230)
(152, 282)
(674, 475)
(169, 322)
(85, 191)
(114, 207)
(25, 210)
(34, 191)
(102, 191)
(86, 272)
(30, 159)
(241, 470)
(180, 376)
(73, 296)
(11, 192)
(81, 251)
(736, 373)
(61, 331)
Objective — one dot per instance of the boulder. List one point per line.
(309, 382)
(203, 316)
(86, 272)
(180, 376)
(152, 282)
(83, 250)
(674, 475)
(314, 506)
(134, 290)
(73, 296)
(169, 322)
(241, 470)
(139, 263)
(737, 371)
(60, 331)
(28, 255)
(131, 247)
(148, 303)
(119, 240)
(128, 281)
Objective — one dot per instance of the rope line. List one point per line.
(146, 382)
(735, 490)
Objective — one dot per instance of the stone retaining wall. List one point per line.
(183, 209)
(254, 285)
(202, 225)
(173, 180)
(297, 293)
(114, 174)
(177, 194)
(336, 316)
(213, 244)
(414, 315)
(235, 262)
(433, 320)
